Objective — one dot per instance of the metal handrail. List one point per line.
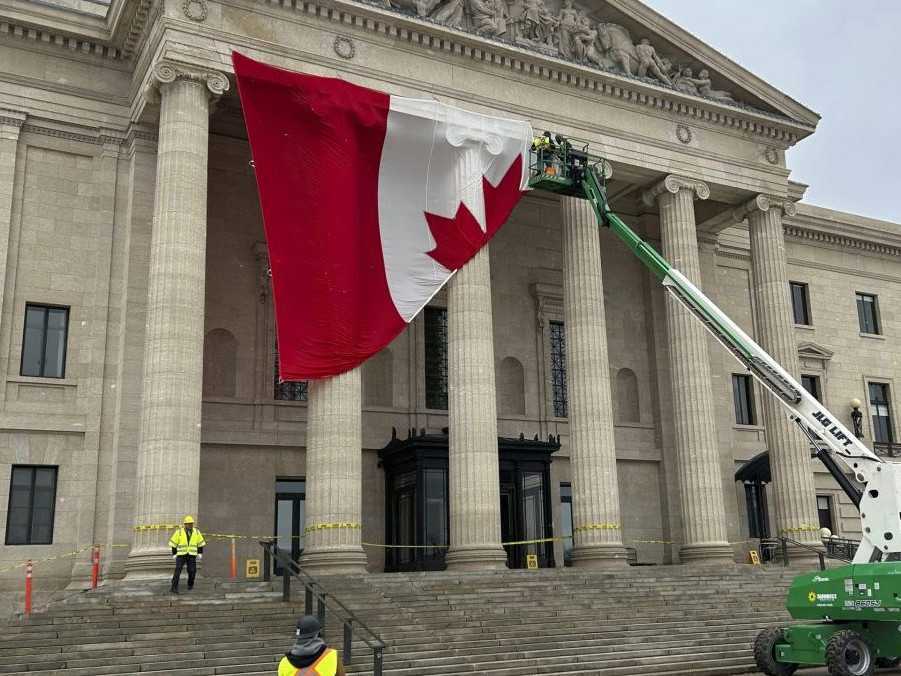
(324, 600)
(821, 554)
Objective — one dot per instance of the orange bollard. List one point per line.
(28, 570)
(95, 565)
(234, 562)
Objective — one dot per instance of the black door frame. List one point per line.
(296, 525)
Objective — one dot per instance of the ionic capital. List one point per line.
(166, 72)
(762, 204)
(673, 184)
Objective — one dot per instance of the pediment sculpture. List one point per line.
(569, 34)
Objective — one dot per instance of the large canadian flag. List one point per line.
(370, 203)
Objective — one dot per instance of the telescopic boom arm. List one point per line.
(880, 503)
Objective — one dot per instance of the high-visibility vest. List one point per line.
(179, 540)
(326, 665)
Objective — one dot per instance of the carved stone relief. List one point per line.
(568, 33)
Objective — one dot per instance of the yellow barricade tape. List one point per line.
(596, 526)
(330, 526)
(803, 528)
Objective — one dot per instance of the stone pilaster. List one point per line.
(10, 126)
(697, 457)
(473, 472)
(169, 446)
(597, 533)
(334, 471)
(793, 482)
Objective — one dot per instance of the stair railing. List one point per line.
(821, 555)
(324, 601)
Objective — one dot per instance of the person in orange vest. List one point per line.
(310, 656)
(187, 545)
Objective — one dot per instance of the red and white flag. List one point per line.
(370, 203)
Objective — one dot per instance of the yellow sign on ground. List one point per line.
(755, 559)
(252, 568)
(531, 561)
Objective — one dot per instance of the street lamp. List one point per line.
(856, 418)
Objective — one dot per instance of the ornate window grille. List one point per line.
(290, 390)
(436, 358)
(558, 368)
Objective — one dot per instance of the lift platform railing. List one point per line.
(316, 594)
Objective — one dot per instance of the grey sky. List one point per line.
(838, 58)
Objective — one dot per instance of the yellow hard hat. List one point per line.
(188, 519)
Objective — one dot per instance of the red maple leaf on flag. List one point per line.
(459, 238)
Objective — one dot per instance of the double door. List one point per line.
(525, 515)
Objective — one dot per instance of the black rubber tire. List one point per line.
(765, 653)
(887, 662)
(836, 655)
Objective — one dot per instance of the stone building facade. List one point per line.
(137, 350)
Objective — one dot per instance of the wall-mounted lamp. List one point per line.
(856, 418)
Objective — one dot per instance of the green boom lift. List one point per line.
(852, 612)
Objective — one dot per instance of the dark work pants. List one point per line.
(180, 562)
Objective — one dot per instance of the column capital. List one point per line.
(763, 203)
(166, 72)
(673, 184)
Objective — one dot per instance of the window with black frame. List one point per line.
(824, 512)
(880, 410)
(558, 368)
(436, 358)
(743, 399)
(800, 303)
(44, 341)
(32, 505)
(868, 313)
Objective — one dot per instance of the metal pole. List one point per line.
(784, 551)
(348, 642)
(822, 560)
(267, 565)
(377, 662)
(286, 585)
(307, 600)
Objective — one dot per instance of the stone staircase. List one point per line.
(666, 621)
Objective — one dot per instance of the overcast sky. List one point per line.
(841, 59)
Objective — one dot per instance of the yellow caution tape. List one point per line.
(329, 526)
(803, 528)
(596, 526)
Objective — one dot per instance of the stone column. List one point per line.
(333, 516)
(10, 125)
(597, 531)
(169, 446)
(473, 472)
(793, 481)
(697, 457)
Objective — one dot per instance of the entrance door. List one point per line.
(290, 498)
(509, 528)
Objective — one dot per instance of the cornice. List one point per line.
(12, 118)
(672, 184)
(134, 34)
(802, 234)
(430, 35)
(49, 37)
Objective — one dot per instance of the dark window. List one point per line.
(290, 501)
(436, 358)
(812, 385)
(566, 522)
(743, 396)
(32, 497)
(44, 341)
(290, 390)
(867, 313)
(558, 368)
(880, 409)
(755, 494)
(824, 510)
(800, 303)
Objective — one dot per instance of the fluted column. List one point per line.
(597, 534)
(793, 481)
(169, 445)
(697, 458)
(473, 478)
(334, 472)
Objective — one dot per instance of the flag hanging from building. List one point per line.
(370, 203)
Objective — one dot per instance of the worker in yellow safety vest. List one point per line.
(187, 545)
(310, 656)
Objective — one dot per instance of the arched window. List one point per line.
(627, 408)
(220, 363)
(378, 379)
(511, 395)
